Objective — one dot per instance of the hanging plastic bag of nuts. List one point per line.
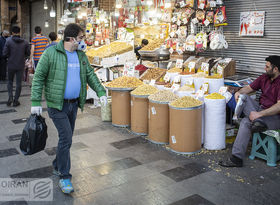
(106, 111)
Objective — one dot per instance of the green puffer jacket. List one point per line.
(51, 73)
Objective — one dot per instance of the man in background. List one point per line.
(39, 44)
(3, 61)
(15, 50)
(143, 44)
(53, 38)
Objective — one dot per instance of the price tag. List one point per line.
(205, 67)
(153, 109)
(166, 78)
(182, 4)
(173, 139)
(172, 34)
(179, 51)
(178, 31)
(185, 20)
(175, 87)
(223, 90)
(201, 6)
(153, 82)
(171, 50)
(142, 36)
(206, 22)
(102, 42)
(177, 79)
(179, 63)
(205, 87)
(179, 22)
(189, 81)
(107, 41)
(220, 70)
(162, 35)
(96, 43)
(191, 66)
(169, 65)
(194, 21)
(199, 94)
(174, 19)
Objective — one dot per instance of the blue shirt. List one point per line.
(73, 81)
(51, 44)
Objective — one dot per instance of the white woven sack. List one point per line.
(215, 124)
(198, 82)
(215, 84)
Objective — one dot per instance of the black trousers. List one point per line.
(11, 75)
(3, 68)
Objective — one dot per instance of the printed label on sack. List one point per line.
(179, 63)
(153, 82)
(191, 66)
(177, 79)
(169, 65)
(153, 109)
(222, 90)
(175, 87)
(173, 139)
(220, 70)
(205, 67)
(166, 78)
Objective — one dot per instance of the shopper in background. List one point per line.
(65, 90)
(53, 38)
(258, 116)
(15, 50)
(143, 44)
(3, 61)
(39, 44)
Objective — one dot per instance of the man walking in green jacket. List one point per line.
(64, 71)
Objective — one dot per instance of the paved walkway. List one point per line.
(112, 166)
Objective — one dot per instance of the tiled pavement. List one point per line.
(112, 166)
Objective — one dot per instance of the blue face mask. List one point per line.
(82, 45)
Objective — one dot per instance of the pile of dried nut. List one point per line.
(125, 82)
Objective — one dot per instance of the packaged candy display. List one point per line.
(220, 18)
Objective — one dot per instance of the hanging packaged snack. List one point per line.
(201, 42)
(210, 16)
(182, 32)
(190, 43)
(220, 18)
(180, 48)
(200, 15)
(201, 4)
(186, 15)
(190, 3)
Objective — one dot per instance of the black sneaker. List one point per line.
(233, 161)
(9, 103)
(16, 103)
